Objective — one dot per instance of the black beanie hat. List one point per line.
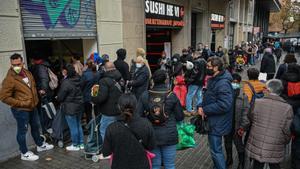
(159, 76)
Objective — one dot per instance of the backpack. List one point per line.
(255, 95)
(53, 83)
(157, 114)
(293, 88)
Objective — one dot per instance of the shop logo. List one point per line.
(52, 11)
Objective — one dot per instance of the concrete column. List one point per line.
(11, 41)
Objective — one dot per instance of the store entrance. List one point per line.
(157, 41)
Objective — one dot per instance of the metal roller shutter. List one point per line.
(58, 19)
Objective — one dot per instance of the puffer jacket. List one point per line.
(218, 104)
(180, 89)
(70, 96)
(268, 64)
(108, 96)
(240, 110)
(166, 134)
(270, 129)
(17, 94)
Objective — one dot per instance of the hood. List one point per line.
(121, 57)
(224, 75)
(75, 80)
(114, 74)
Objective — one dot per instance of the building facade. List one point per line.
(64, 28)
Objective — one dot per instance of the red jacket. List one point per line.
(180, 89)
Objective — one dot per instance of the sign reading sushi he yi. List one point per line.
(163, 14)
(217, 21)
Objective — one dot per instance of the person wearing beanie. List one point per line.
(166, 133)
(141, 76)
(121, 65)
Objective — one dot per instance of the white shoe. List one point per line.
(44, 147)
(72, 148)
(101, 157)
(29, 156)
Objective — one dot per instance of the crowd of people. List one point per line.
(139, 109)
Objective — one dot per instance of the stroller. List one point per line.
(239, 63)
(93, 146)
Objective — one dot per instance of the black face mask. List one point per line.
(210, 72)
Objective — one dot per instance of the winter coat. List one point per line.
(197, 74)
(108, 95)
(88, 80)
(176, 70)
(218, 104)
(140, 81)
(270, 129)
(180, 90)
(16, 93)
(268, 64)
(258, 86)
(281, 70)
(185, 58)
(241, 109)
(127, 151)
(41, 76)
(70, 96)
(123, 68)
(292, 75)
(166, 134)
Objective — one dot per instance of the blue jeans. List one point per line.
(105, 122)
(215, 145)
(193, 91)
(74, 123)
(23, 118)
(165, 154)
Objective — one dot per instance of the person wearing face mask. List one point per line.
(106, 99)
(216, 107)
(19, 92)
(185, 56)
(206, 52)
(164, 62)
(240, 123)
(141, 77)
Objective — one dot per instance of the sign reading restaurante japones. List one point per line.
(163, 14)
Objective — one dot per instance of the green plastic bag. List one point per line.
(185, 136)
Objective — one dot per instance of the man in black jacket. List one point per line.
(40, 73)
(121, 65)
(108, 95)
(268, 64)
(194, 79)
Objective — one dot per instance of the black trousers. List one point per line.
(296, 153)
(259, 165)
(238, 142)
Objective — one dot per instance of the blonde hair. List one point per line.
(140, 52)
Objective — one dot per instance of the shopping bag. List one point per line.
(201, 125)
(185, 136)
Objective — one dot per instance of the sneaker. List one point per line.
(44, 147)
(101, 157)
(72, 148)
(29, 156)
(81, 146)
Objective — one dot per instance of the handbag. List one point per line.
(185, 136)
(149, 155)
(202, 126)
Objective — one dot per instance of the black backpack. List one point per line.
(157, 114)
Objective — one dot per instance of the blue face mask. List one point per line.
(236, 86)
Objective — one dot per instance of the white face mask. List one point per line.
(17, 69)
(138, 65)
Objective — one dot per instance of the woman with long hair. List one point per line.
(127, 139)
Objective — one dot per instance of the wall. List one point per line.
(109, 26)
(134, 32)
(89, 46)
(10, 42)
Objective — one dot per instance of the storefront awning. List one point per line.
(271, 5)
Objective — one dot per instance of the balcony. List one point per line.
(270, 5)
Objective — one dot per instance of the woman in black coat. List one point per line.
(289, 58)
(71, 98)
(268, 64)
(128, 138)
